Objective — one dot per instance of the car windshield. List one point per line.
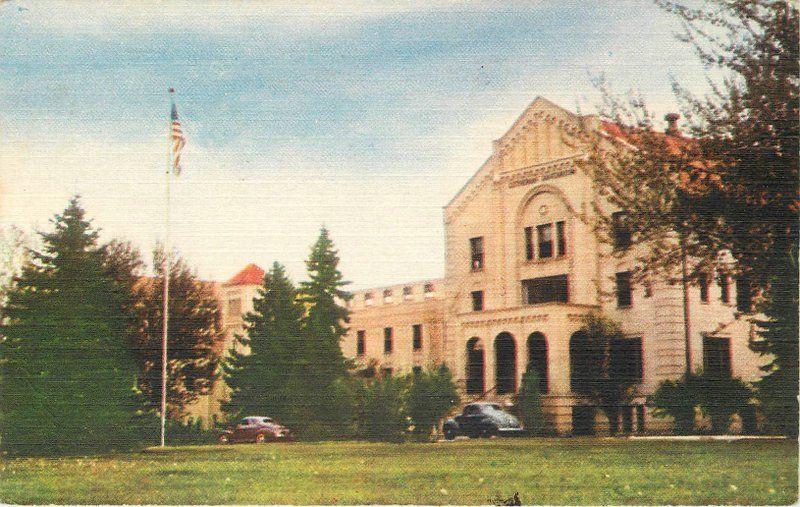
(266, 420)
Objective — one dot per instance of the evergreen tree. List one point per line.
(195, 332)
(431, 396)
(267, 371)
(325, 323)
(529, 403)
(67, 373)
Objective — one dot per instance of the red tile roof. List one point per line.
(250, 275)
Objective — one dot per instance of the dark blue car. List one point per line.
(482, 420)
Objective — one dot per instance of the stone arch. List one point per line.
(475, 366)
(505, 350)
(537, 358)
(536, 191)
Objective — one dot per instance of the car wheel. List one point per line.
(449, 434)
(260, 438)
(223, 439)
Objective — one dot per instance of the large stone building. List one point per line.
(521, 268)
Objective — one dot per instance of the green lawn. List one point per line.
(543, 471)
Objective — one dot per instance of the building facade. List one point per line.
(522, 266)
(521, 269)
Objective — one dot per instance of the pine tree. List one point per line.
(529, 403)
(268, 374)
(325, 323)
(195, 332)
(67, 375)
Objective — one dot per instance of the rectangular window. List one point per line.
(717, 357)
(417, 370)
(417, 331)
(476, 253)
(724, 288)
(361, 343)
(626, 360)
(545, 290)
(387, 296)
(387, 340)
(621, 230)
(477, 301)
(529, 243)
(648, 289)
(386, 372)
(406, 293)
(744, 294)
(428, 290)
(561, 239)
(234, 307)
(703, 283)
(367, 299)
(624, 290)
(544, 235)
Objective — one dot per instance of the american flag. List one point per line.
(177, 138)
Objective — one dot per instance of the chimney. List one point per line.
(672, 123)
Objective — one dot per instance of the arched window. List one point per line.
(475, 374)
(537, 358)
(584, 363)
(505, 363)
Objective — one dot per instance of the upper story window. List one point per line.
(368, 299)
(417, 336)
(234, 307)
(387, 340)
(476, 253)
(544, 236)
(529, 243)
(624, 289)
(547, 289)
(724, 282)
(477, 301)
(407, 293)
(551, 241)
(428, 289)
(717, 357)
(387, 296)
(361, 343)
(621, 229)
(703, 282)
(561, 239)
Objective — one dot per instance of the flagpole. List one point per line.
(165, 331)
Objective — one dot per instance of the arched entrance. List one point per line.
(505, 351)
(475, 366)
(537, 358)
(584, 363)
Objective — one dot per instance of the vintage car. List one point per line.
(255, 429)
(482, 420)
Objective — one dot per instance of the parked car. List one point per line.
(482, 420)
(255, 429)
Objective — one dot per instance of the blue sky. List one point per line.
(364, 116)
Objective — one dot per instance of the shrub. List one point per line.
(676, 399)
(720, 398)
(381, 414)
(430, 397)
(529, 403)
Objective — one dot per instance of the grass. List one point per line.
(543, 471)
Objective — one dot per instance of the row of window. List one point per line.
(428, 289)
(388, 340)
(550, 241)
(744, 291)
